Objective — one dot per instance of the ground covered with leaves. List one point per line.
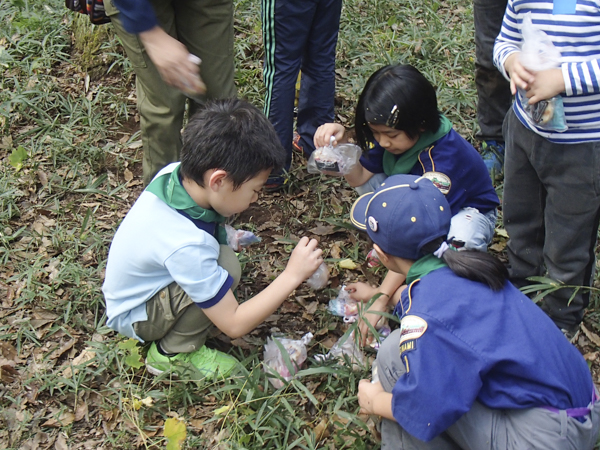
(70, 153)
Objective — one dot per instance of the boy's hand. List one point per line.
(323, 134)
(520, 77)
(546, 84)
(366, 394)
(305, 259)
(361, 292)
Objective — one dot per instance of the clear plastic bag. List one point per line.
(374, 373)
(273, 360)
(346, 346)
(383, 330)
(546, 114)
(198, 89)
(340, 159)
(539, 53)
(347, 308)
(237, 239)
(344, 306)
(373, 259)
(318, 280)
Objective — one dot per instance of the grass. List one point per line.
(70, 157)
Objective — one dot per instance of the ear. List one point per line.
(383, 256)
(216, 179)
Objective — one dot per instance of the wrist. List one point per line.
(381, 404)
(383, 298)
(509, 62)
(559, 80)
(291, 278)
(152, 35)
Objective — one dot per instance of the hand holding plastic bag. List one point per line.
(539, 53)
(339, 160)
(318, 280)
(344, 306)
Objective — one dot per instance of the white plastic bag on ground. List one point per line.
(273, 359)
(345, 347)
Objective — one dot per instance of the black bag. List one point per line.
(94, 9)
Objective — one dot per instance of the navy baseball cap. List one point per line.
(402, 215)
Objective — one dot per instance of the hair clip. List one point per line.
(393, 118)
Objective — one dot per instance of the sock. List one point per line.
(162, 352)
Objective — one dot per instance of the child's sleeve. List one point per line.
(374, 162)
(442, 378)
(195, 269)
(136, 15)
(582, 78)
(509, 40)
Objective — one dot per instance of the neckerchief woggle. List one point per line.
(169, 189)
(402, 164)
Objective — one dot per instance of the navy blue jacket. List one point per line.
(455, 167)
(136, 15)
(461, 342)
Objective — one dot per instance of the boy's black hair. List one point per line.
(472, 264)
(231, 135)
(399, 97)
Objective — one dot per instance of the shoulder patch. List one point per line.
(411, 327)
(407, 346)
(440, 180)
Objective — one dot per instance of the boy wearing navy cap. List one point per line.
(474, 364)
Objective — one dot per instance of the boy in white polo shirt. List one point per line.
(170, 275)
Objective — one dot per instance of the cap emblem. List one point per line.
(373, 225)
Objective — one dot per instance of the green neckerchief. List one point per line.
(394, 165)
(169, 189)
(423, 266)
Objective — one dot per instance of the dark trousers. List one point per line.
(551, 210)
(300, 35)
(493, 91)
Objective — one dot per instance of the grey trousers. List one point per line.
(483, 428)
(205, 27)
(551, 211)
(493, 91)
(174, 319)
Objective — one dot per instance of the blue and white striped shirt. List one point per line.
(577, 36)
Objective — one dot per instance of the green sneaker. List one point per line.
(204, 362)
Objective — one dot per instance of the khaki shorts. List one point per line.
(174, 318)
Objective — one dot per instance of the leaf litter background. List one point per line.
(71, 169)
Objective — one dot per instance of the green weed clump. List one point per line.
(89, 41)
